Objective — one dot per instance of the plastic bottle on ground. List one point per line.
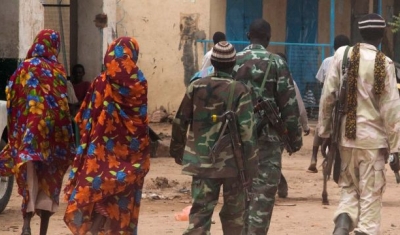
(184, 214)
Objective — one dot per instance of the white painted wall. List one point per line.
(110, 33)
(9, 34)
(31, 21)
(155, 24)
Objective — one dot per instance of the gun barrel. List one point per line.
(330, 158)
(244, 184)
(397, 177)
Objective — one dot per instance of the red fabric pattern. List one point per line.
(113, 157)
(38, 119)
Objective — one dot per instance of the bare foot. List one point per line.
(312, 168)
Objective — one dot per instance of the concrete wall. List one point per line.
(31, 21)
(156, 26)
(275, 13)
(110, 32)
(9, 36)
(217, 18)
(90, 47)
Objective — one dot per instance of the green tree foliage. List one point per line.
(395, 24)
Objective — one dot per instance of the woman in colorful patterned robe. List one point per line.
(40, 141)
(106, 179)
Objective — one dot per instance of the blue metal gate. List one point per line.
(302, 27)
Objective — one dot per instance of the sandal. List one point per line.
(26, 231)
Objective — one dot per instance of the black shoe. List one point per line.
(342, 224)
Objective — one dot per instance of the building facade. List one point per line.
(168, 33)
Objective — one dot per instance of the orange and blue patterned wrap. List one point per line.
(113, 156)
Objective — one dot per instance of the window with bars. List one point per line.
(57, 17)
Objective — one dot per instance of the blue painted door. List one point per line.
(302, 27)
(239, 15)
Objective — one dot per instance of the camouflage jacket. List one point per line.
(378, 117)
(251, 65)
(204, 98)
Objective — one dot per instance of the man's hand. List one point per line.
(307, 132)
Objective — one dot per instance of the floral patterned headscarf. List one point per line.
(46, 44)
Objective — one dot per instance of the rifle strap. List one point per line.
(345, 59)
(271, 60)
(345, 63)
(230, 98)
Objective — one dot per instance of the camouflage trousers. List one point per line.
(362, 179)
(264, 188)
(205, 194)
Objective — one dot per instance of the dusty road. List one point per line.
(301, 213)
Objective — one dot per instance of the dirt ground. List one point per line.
(301, 213)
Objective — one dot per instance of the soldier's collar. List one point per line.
(254, 46)
(220, 74)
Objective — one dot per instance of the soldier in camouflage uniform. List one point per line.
(370, 128)
(206, 97)
(251, 67)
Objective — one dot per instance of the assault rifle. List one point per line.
(333, 153)
(229, 121)
(271, 116)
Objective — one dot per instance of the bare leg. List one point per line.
(44, 221)
(313, 164)
(26, 229)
